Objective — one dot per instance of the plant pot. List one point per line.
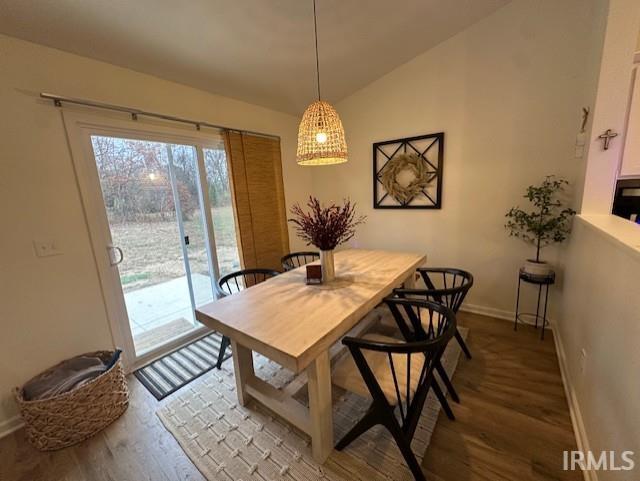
(537, 268)
(328, 267)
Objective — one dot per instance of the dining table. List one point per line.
(296, 324)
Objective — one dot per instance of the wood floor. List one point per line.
(512, 424)
(513, 421)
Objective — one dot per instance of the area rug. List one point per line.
(166, 375)
(229, 442)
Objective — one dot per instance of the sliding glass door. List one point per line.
(172, 229)
(221, 208)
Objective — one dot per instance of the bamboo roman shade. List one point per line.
(258, 191)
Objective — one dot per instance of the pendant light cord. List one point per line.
(315, 29)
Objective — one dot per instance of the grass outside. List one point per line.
(153, 252)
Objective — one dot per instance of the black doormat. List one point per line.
(166, 375)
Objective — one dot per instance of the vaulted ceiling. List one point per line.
(259, 51)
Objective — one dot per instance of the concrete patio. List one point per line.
(161, 307)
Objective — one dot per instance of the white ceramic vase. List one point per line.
(328, 267)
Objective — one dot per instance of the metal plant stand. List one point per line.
(541, 281)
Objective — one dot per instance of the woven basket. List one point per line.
(74, 416)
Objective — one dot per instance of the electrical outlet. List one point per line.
(583, 361)
(46, 248)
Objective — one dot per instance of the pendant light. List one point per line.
(320, 135)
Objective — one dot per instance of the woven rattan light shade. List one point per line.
(321, 136)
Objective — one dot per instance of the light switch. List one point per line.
(46, 248)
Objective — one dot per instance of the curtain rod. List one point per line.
(58, 101)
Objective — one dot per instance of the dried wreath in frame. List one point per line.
(407, 173)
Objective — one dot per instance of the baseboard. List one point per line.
(10, 425)
(574, 407)
(488, 311)
(497, 313)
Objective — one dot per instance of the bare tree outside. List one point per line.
(142, 211)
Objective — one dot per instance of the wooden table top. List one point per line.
(291, 322)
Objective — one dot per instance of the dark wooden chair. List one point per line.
(447, 286)
(297, 259)
(396, 374)
(235, 282)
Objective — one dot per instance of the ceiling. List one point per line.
(259, 51)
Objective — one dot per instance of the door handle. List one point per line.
(111, 249)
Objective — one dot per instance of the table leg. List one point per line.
(243, 367)
(410, 282)
(319, 375)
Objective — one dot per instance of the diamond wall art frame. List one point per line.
(407, 173)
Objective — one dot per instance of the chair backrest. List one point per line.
(297, 259)
(416, 357)
(445, 285)
(239, 280)
(418, 319)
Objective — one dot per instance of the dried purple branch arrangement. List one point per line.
(326, 227)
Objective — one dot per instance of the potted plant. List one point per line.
(549, 222)
(326, 228)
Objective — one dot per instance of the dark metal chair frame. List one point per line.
(452, 295)
(402, 427)
(223, 288)
(420, 334)
(293, 260)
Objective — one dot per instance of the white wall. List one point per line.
(630, 164)
(601, 314)
(599, 322)
(611, 105)
(507, 92)
(52, 308)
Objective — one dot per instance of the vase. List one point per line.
(328, 267)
